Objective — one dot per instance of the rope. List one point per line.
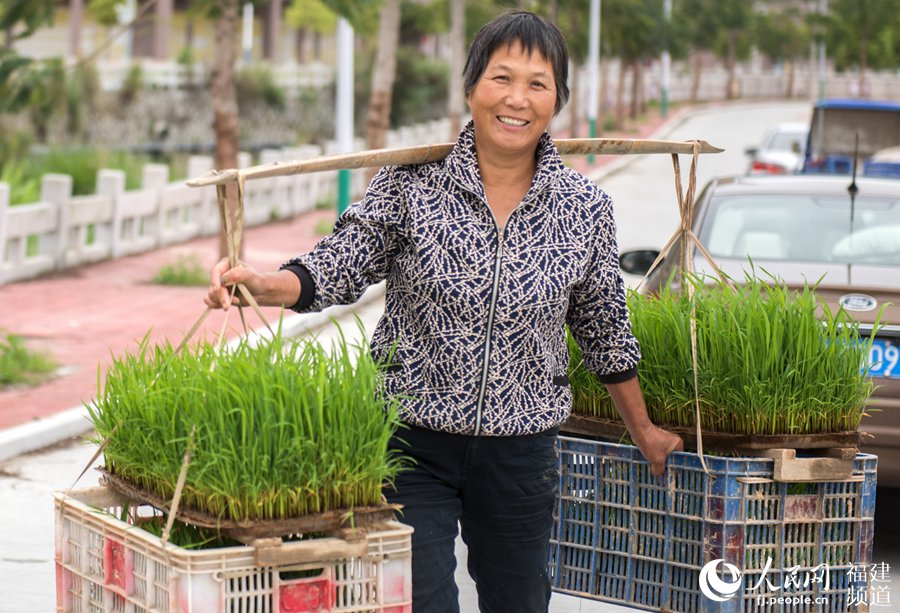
(179, 488)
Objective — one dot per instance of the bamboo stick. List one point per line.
(431, 153)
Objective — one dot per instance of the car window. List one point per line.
(787, 141)
(803, 228)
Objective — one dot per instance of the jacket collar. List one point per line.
(462, 164)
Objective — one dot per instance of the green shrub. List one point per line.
(257, 85)
(20, 365)
(132, 86)
(83, 164)
(24, 176)
(771, 361)
(420, 88)
(24, 185)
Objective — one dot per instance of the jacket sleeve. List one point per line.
(597, 313)
(360, 250)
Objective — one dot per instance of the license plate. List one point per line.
(885, 358)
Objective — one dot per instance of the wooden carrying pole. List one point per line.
(431, 153)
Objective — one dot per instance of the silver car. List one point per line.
(806, 228)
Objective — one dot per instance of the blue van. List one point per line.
(832, 136)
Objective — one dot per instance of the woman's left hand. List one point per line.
(656, 444)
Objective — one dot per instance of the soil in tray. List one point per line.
(245, 531)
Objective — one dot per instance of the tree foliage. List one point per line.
(314, 15)
(863, 33)
(781, 36)
(22, 78)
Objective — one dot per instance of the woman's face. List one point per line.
(513, 102)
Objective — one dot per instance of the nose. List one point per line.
(517, 95)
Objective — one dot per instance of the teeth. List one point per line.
(512, 122)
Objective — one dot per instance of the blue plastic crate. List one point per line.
(888, 170)
(626, 537)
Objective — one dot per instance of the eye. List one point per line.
(539, 85)
(501, 77)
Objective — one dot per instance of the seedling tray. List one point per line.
(248, 531)
(613, 431)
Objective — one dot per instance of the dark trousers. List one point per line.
(501, 491)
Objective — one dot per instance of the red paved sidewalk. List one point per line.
(85, 316)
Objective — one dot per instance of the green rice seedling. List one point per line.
(282, 429)
(770, 361)
(187, 536)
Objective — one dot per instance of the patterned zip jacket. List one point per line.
(478, 312)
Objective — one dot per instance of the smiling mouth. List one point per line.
(510, 121)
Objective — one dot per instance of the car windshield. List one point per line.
(803, 229)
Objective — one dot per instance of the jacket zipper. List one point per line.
(490, 332)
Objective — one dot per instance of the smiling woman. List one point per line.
(474, 329)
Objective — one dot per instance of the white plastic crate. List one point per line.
(107, 565)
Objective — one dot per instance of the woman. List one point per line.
(487, 254)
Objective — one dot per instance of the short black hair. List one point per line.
(532, 32)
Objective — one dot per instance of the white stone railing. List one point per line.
(174, 75)
(65, 231)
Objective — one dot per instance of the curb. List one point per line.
(45, 432)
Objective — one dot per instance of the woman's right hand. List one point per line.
(281, 288)
(223, 278)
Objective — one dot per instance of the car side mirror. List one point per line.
(751, 151)
(637, 261)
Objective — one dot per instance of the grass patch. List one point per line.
(186, 271)
(323, 227)
(281, 429)
(328, 201)
(22, 366)
(771, 361)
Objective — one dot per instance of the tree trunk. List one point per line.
(574, 90)
(620, 96)
(604, 91)
(378, 116)
(272, 31)
(76, 17)
(695, 78)
(635, 87)
(789, 68)
(730, 63)
(224, 97)
(456, 104)
(863, 61)
(300, 45)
